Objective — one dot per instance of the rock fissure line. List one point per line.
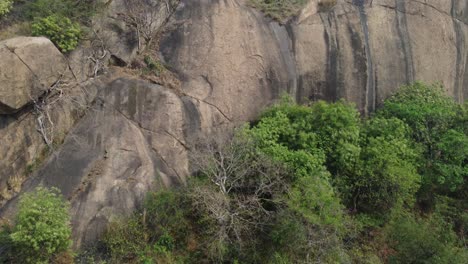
(22, 61)
(152, 148)
(217, 108)
(167, 164)
(421, 14)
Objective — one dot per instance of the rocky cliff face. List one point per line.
(232, 62)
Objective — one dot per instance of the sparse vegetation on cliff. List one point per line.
(60, 30)
(59, 20)
(280, 10)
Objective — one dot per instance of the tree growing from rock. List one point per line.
(144, 16)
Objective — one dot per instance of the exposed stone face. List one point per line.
(227, 57)
(364, 53)
(131, 140)
(359, 50)
(28, 67)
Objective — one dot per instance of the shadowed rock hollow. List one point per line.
(232, 62)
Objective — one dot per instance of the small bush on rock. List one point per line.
(60, 30)
(42, 227)
(5, 6)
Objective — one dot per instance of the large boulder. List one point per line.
(29, 67)
(131, 140)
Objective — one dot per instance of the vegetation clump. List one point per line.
(60, 30)
(41, 230)
(280, 10)
(5, 7)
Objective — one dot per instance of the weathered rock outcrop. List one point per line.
(232, 62)
(28, 68)
(370, 49)
(360, 50)
(117, 25)
(131, 139)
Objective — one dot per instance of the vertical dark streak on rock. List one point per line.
(292, 39)
(331, 89)
(284, 38)
(460, 66)
(402, 27)
(192, 117)
(370, 87)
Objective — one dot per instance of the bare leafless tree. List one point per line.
(242, 188)
(145, 16)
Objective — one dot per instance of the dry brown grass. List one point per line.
(15, 30)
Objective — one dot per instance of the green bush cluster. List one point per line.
(153, 66)
(41, 229)
(5, 7)
(152, 235)
(60, 30)
(62, 21)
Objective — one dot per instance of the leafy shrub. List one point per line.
(42, 226)
(166, 217)
(432, 117)
(125, 240)
(60, 30)
(386, 174)
(279, 9)
(5, 7)
(75, 10)
(155, 67)
(419, 240)
(152, 235)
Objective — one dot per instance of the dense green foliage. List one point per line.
(438, 128)
(418, 240)
(41, 230)
(60, 30)
(5, 6)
